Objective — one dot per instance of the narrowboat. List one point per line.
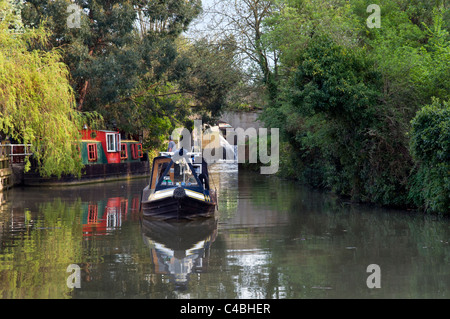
(105, 157)
(179, 188)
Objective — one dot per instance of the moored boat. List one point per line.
(179, 188)
(105, 157)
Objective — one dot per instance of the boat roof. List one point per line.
(170, 154)
(107, 131)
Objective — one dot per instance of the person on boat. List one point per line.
(172, 146)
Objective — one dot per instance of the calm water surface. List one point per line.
(270, 239)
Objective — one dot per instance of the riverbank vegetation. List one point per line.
(37, 104)
(360, 93)
(363, 111)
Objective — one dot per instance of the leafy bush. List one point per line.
(430, 145)
(344, 138)
(348, 94)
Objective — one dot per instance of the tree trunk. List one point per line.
(84, 88)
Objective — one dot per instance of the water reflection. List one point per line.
(102, 217)
(179, 248)
(44, 230)
(271, 239)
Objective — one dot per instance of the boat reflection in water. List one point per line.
(179, 248)
(103, 217)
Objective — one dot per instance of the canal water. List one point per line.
(271, 238)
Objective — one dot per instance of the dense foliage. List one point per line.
(430, 144)
(346, 95)
(128, 62)
(37, 103)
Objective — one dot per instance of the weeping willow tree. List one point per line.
(37, 103)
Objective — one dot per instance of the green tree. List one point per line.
(333, 117)
(126, 62)
(117, 44)
(102, 61)
(207, 71)
(430, 143)
(37, 103)
(349, 92)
